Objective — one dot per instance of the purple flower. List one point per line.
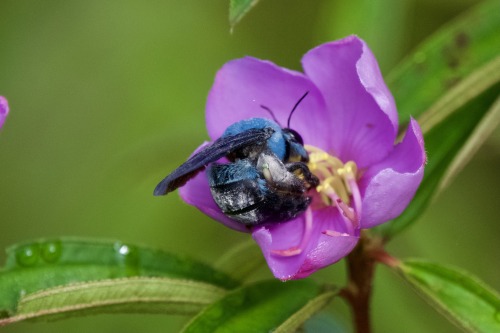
(4, 110)
(349, 125)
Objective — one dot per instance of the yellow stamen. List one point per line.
(337, 188)
(333, 175)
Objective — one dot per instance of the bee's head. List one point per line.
(295, 151)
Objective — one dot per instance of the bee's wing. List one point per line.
(218, 149)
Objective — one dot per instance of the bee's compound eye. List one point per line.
(295, 135)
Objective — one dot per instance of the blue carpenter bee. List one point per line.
(267, 178)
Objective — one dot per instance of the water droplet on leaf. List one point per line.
(27, 255)
(128, 256)
(51, 251)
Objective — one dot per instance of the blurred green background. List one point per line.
(107, 97)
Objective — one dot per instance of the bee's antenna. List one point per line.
(295, 107)
(271, 113)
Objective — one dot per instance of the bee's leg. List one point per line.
(308, 176)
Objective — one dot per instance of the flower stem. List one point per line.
(361, 269)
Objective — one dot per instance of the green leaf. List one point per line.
(241, 261)
(451, 84)
(263, 307)
(459, 296)
(136, 294)
(324, 322)
(445, 59)
(238, 9)
(295, 321)
(40, 265)
(449, 146)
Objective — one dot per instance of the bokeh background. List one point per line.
(107, 97)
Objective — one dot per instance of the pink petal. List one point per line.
(388, 187)
(363, 110)
(321, 251)
(279, 237)
(328, 251)
(196, 192)
(243, 85)
(4, 110)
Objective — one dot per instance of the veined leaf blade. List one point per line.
(136, 294)
(238, 9)
(459, 296)
(278, 306)
(44, 264)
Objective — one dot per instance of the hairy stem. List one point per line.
(361, 268)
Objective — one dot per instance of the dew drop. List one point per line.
(123, 250)
(128, 256)
(51, 251)
(27, 255)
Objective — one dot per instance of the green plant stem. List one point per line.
(360, 269)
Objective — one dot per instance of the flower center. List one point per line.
(338, 187)
(338, 183)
